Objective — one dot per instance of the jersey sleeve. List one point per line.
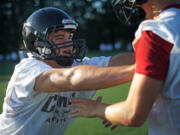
(25, 78)
(152, 55)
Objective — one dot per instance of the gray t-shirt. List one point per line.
(28, 112)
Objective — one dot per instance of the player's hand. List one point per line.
(108, 124)
(87, 108)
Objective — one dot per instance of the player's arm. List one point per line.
(82, 78)
(122, 59)
(152, 62)
(131, 112)
(134, 111)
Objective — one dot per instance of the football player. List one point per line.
(39, 91)
(155, 90)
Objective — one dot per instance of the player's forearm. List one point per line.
(122, 114)
(122, 59)
(89, 78)
(83, 78)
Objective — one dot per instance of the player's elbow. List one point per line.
(135, 120)
(129, 120)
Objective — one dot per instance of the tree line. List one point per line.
(96, 19)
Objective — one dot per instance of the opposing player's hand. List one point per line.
(108, 124)
(87, 108)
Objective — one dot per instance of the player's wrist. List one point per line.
(100, 111)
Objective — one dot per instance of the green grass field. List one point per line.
(83, 126)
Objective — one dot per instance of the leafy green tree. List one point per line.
(96, 19)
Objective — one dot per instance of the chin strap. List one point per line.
(64, 60)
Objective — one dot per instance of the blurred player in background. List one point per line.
(38, 94)
(155, 90)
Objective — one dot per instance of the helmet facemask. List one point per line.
(49, 50)
(129, 11)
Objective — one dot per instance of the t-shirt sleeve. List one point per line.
(25, 79)
(152, 55)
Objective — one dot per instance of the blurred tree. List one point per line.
(12, 14)
(4, 23)
(96, 19)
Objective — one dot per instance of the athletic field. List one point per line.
(83, 126)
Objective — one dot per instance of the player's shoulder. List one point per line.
(30, 64)
(26, 63)
(164, 27)
(170, 12)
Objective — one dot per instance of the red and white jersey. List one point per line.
(158, 47)
(29, 112)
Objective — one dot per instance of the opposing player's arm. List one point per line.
(122, 59)
(134, 111)
(147, 81)
(82, 78)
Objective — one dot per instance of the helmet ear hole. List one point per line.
(43, 49)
